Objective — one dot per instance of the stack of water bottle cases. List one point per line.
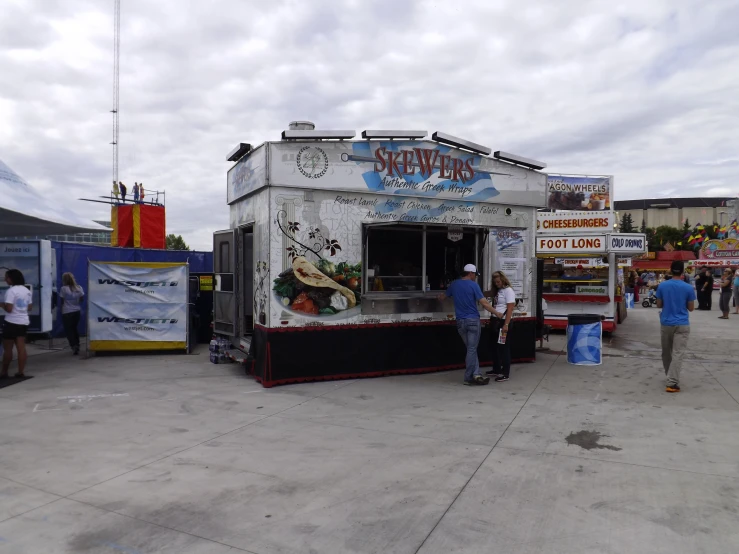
(218, 348)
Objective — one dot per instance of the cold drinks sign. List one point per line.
(561, 244)
(625, 242)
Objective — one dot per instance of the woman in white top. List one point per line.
(17, 304)
(504, 300)
(72, 296)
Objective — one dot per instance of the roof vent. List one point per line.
(301, 126)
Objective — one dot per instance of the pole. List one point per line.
(116, 82)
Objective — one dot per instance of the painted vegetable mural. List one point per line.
(321, 289)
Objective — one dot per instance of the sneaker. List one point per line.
(469, 383)
(492, 373)
(501, 378)
(480, 380)
(672, 388)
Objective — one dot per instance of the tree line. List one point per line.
(659, 236)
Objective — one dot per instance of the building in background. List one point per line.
(655, 212)
(101, 239)
(733, 209)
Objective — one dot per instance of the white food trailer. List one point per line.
(338, 248)
(583, 272)
(36, 259)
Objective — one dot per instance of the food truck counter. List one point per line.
(405, 303)
(372, 349)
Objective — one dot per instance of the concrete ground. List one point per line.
(170, 454)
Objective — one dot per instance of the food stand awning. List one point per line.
(652, 265)
(24, 212)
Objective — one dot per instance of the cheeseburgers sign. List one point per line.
(559, 222)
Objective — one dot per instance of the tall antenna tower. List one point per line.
(116, 81)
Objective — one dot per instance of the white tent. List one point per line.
(24, 212)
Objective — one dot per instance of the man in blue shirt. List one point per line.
(676, 298)
(466, 294)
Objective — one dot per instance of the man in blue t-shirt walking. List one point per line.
(676, 298)
(466, 294)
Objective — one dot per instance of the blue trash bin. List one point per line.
(584, 339)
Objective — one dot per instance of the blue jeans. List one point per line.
(469, 330)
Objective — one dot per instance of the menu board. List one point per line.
(579, 192)
(509, 256)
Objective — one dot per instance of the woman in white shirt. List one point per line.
(17, 304)
(72, 296)
(504, 300)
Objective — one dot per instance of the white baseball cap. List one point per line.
(470, 268)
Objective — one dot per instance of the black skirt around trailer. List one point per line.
(280, 356)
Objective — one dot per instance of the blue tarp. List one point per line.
(72, 257)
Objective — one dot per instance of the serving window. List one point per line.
(575, 276)
(408, 258)
(395, 259)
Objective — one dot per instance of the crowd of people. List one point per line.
(704, 283)
(728, 288)
(120, 191)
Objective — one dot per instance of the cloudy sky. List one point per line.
(646, 90)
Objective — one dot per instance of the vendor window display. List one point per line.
(403, 258)
(562, 278)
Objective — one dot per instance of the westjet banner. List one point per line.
(137, 306)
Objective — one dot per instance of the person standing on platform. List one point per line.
(17, 305)
(504, 300)
(466, 294)
(116, 191)
(141, 192)
(72, 295)
(136, 193)
(123, 191)
(675, 298)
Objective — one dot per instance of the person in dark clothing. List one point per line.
(725, 292)
(72, 295)
(123, 189)
(504, 301)
(700, 281)
(708, 290)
